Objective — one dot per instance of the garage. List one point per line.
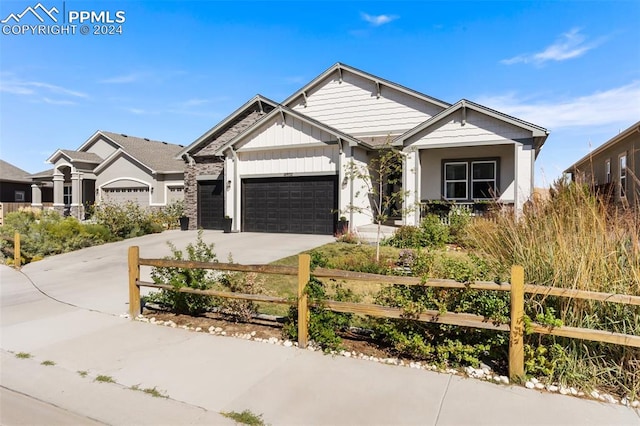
(297, 205)
(210, 204)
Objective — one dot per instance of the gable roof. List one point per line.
(614, 140)
(340, 67)
(156, 155)
(258, 100)
(73, 156)
(538, 133)
(11, 173)
(281, 109)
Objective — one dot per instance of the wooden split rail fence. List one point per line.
(517, 287)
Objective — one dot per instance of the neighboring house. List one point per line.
(613, 168)
(115, 168)
(15, 184)
(282, 167)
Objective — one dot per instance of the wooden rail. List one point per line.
(517, 287)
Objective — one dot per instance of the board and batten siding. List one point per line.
(294, 132)
(478, 128)
(289, 161)
(353, 107)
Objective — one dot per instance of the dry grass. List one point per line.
(576, 240)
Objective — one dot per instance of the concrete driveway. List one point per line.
(96, 277)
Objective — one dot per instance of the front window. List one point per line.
(19, 196)
(470, 179)
(455, 181)
(483, 179)
(66, 195)
(623, 175)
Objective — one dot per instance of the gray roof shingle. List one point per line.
(87, 157)
(158, 156)
(9, 172)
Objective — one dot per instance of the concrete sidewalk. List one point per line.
(204, 375)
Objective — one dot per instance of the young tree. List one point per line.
(379, 179)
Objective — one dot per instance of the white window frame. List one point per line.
(19, 196)
(465, 180)
(622, 176)
(607, 170)
(494, 180)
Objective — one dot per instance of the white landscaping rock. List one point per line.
(539, 386)
(198, 329)
(504, 380)
(595, 394)
(529, 385)
(552, 388)
(288, 343)
(563, 390)
(635, 404)
(573, 391)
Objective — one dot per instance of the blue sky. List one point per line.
(181, 66)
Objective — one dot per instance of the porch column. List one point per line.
(76, 194)
(58, 190)
(36, 195)
(411, 187)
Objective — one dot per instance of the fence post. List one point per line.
(134, 277)
(16, 250)
(516, 333)
(304, 265)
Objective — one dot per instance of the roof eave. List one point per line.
(340, 66)
(223, 123)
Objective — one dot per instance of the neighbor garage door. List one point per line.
(302, 205)
(210, 204)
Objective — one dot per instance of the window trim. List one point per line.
(469, 181)
(622, 187)
(446, 181)
(607, 170)
(19, 196)
(494, 180)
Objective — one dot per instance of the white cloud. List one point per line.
(377, 20)
(27, 88)
(569, 45)
(616, 105)
(58, 101)
(194, 103)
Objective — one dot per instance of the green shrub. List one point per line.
(126, 220)
(431, 233)
(44, 233)
(443, 344)
(324, 325)
(201, 279)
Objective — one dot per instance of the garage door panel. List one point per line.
(211, 204)
(290, 205)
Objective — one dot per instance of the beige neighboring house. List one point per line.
(112, 167)
(613, 168)
(282, 167)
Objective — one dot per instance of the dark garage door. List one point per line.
(210, 204)
(302, 205)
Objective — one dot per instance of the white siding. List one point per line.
(477, 129)
(294, 160)
(295, 132)
(353, 107)
(360, 192)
